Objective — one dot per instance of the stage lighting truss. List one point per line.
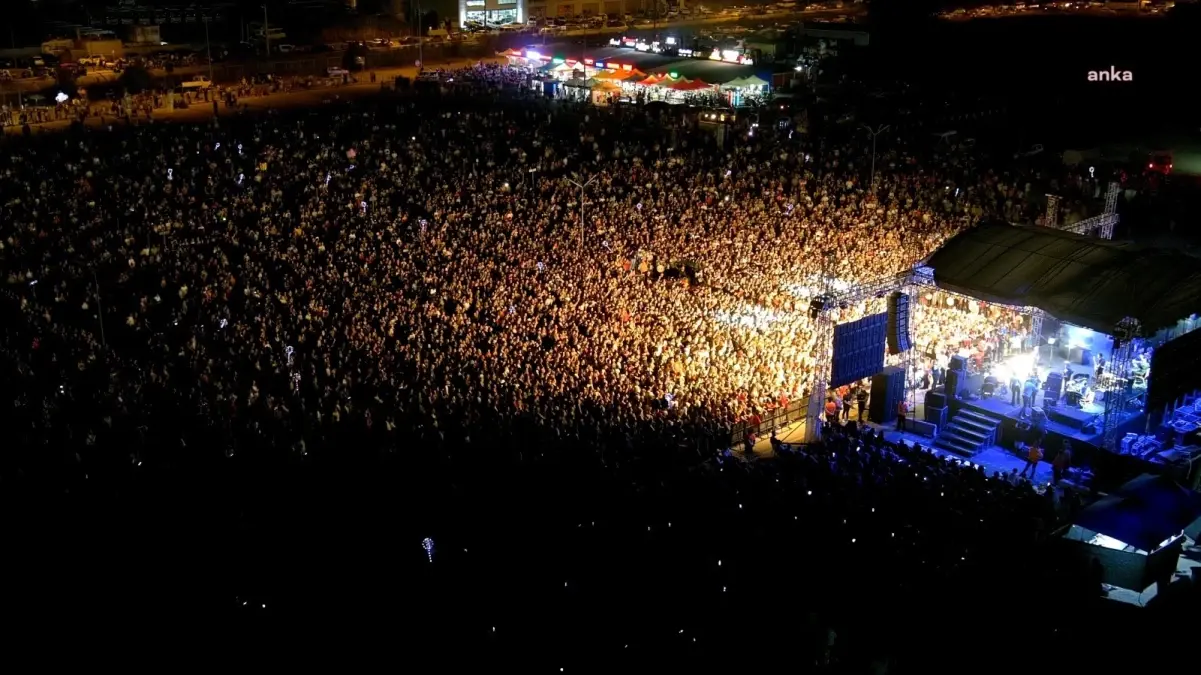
(1120, 400)
(1100, 226)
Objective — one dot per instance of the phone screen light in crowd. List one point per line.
(1092, 171)
(61, 97)
(239, 148)
(217, 146)
(1151, 166)
(170, 174)
(224, 323)
(240, 177)
(428, 545)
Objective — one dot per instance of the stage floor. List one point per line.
(994, 459)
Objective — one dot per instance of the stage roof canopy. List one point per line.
(1093, 283)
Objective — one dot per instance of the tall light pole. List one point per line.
(874, 134)
(99, 309)
(581, 186)
(208, 48)
(266, 30)
(420, 40)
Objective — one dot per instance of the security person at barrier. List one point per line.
(902, 410)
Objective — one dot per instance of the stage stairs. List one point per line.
(968, 432)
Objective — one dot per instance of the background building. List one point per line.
(491, 12)
(564, 8)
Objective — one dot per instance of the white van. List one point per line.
(197, 82)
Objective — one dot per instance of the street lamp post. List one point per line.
(581, 186)
(874, 134)
(420, 40)
(266, 30)
(99, 309)
(208, 48)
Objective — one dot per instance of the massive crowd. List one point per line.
(488, 279)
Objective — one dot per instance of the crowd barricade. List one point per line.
(775, 418)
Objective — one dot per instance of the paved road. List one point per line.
(1091, 12)
(496, 42)
(303, 98)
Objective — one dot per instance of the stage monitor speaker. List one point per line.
(888, 390)
(958, 363)
(936, 399)
(898, 323)
(956, 383)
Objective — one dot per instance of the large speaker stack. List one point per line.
(936, 408)
(858, 349)
(898, 323)
(956, 377)
(888, 390)
(1053, 387)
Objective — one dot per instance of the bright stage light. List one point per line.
(1019, 366)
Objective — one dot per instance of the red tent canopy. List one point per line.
(512, 52)
(653, 79)
(688, 85)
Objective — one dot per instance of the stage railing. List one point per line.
(775, 418)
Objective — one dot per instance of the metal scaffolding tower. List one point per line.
(1111, 211)
(1052, 217)
(1119, 394)
(1100, 226)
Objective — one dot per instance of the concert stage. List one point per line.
(1082, 426)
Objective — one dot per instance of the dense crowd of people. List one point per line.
(489, 279)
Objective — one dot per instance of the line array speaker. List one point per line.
(898, 323)
(858, 349)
